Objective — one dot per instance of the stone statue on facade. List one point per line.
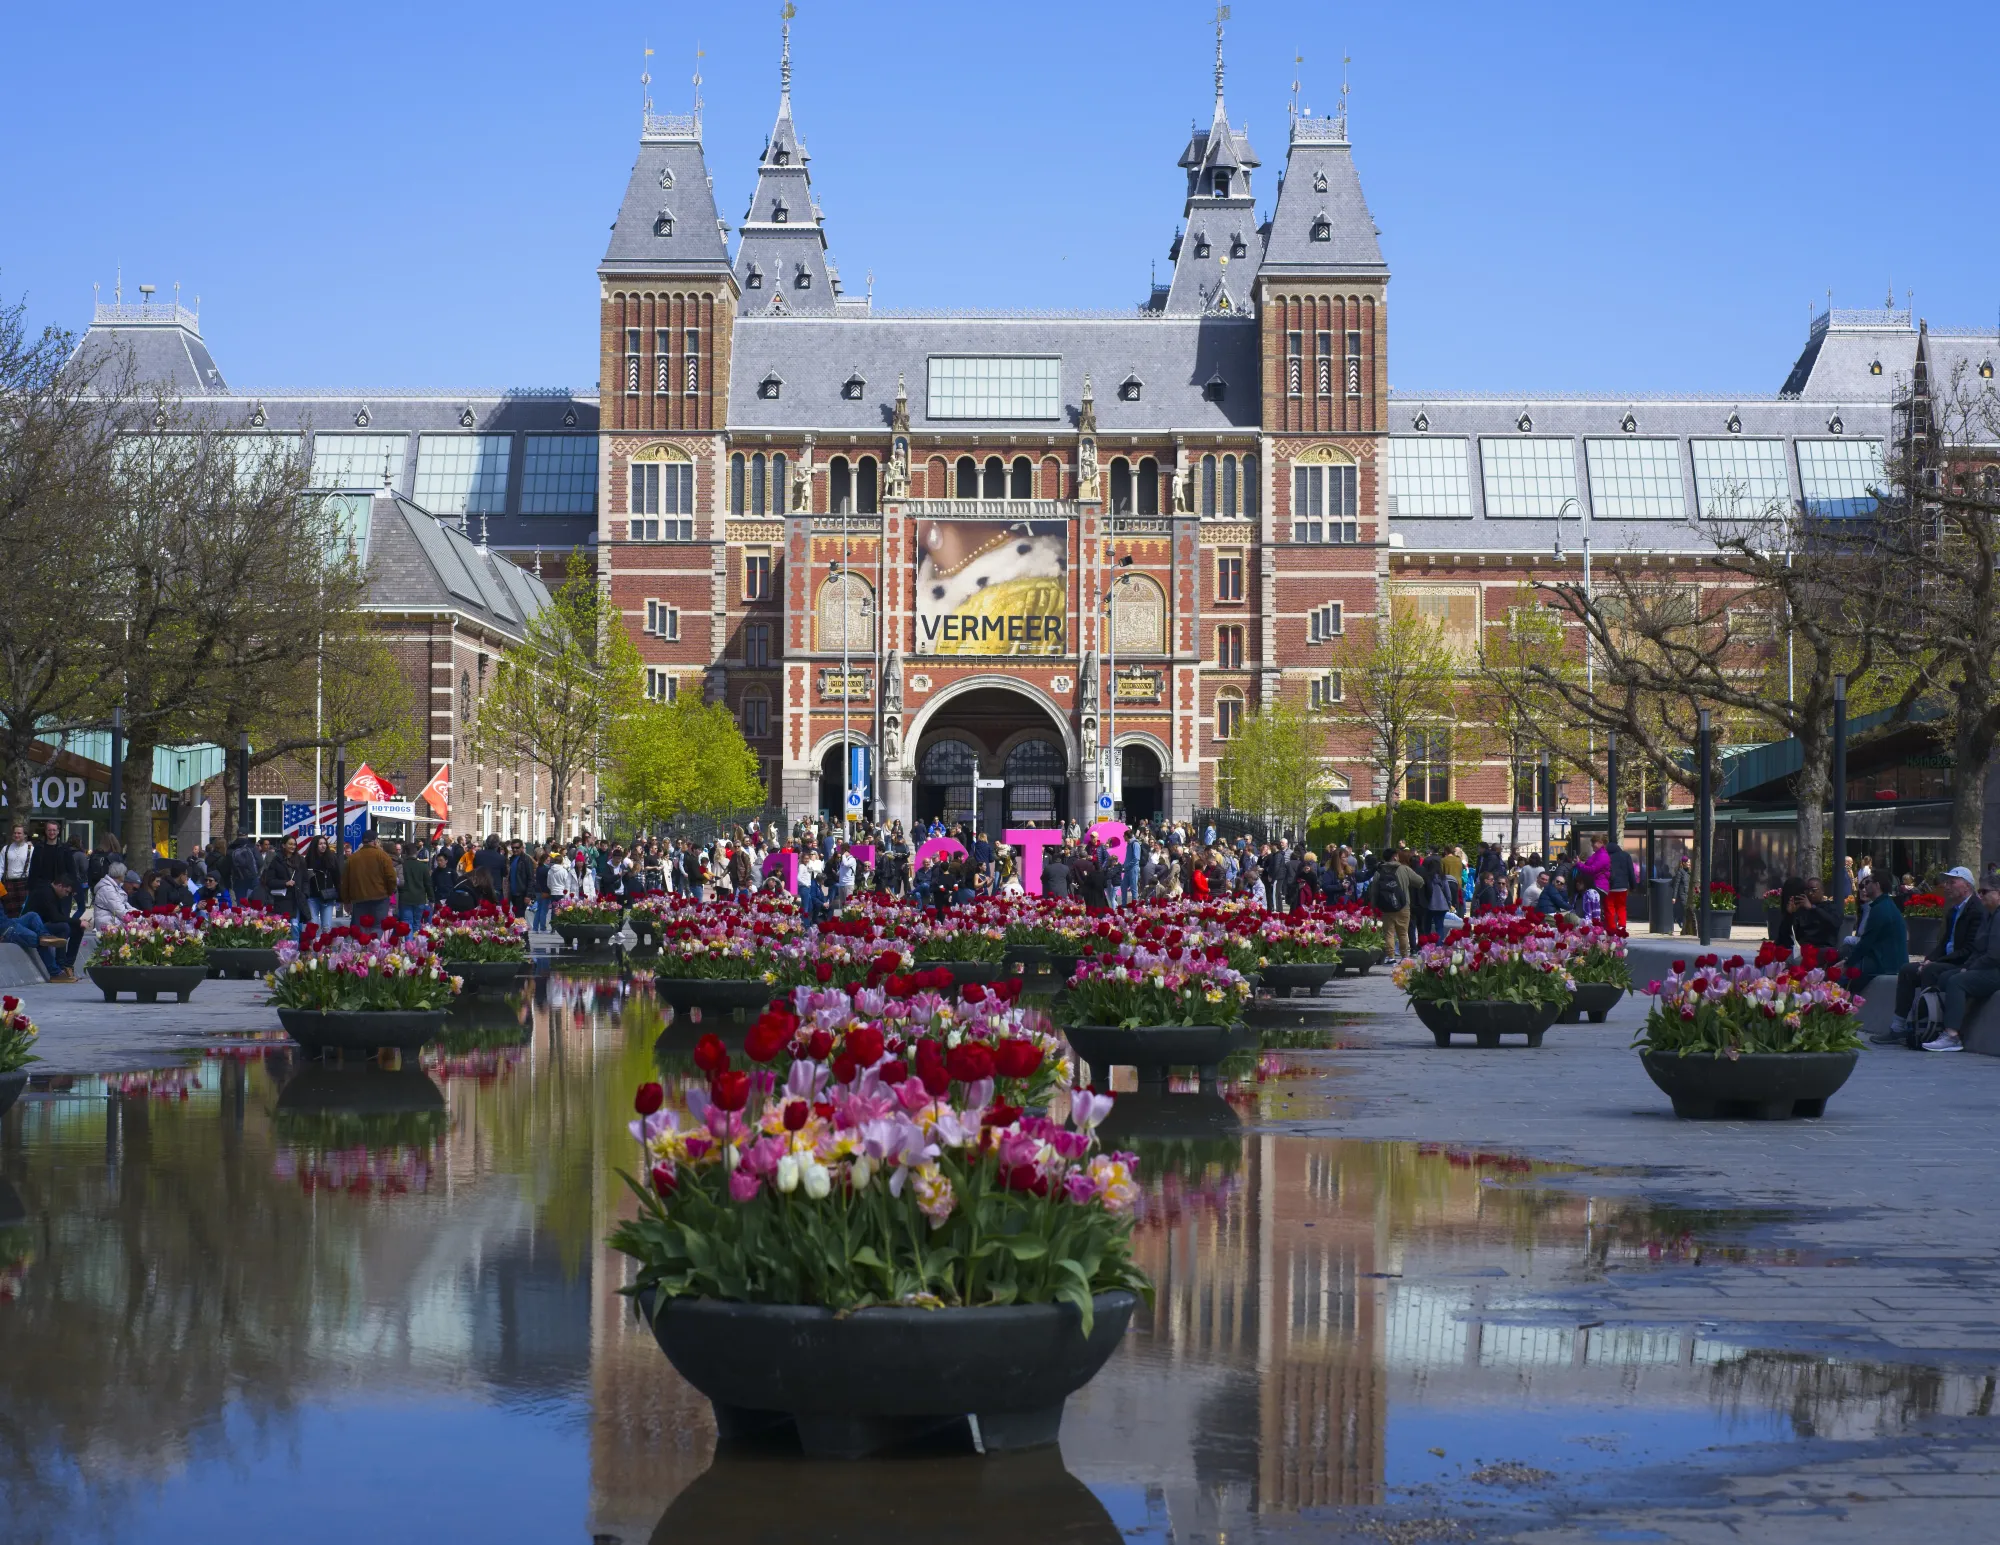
(802, 483)
(892, 681)
(892, 742)
(1087, 678)
(1184, 487)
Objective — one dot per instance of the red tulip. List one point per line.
(823, 971)
(844, 1068)
(710, 1055)
(936, 1081)
(665, 1181)
(766, 1038)
(1016, 1058)
(730, 1089)
(820, 1047)
(864, 1045)
(649, 1099)
(969, 1061)
(797, 1112)
(894, 1072)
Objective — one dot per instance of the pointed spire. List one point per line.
(1221, 16)
(785, 58)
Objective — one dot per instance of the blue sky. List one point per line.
(1582, 197)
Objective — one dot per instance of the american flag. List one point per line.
(304, 820)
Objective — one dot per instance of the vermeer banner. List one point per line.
(990, 587)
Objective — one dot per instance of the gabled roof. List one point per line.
(781, 263)
(1321, 185)
(667, 222)
(419, 563)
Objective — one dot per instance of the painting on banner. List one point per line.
(992, 587)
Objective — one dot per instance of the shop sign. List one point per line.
(55, 792)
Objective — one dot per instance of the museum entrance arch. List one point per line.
(998, 734)
(1139, 783)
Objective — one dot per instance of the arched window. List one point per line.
(1021, 483)
(864, 487)
(839, 486)
(736, 489)
(995, 481)
(756, 715)
(757, 484)
(937, 479)
(846, 600)
(1229, 487)
(1035, 771)
(1138, 616)
(778, 483)
(1121, 486)
(1149, 486)
(951, 765)
(1208, 485)
(968, 478)
(1253, 503)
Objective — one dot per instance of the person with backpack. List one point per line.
(1390, 893)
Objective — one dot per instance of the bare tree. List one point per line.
(1398, 677)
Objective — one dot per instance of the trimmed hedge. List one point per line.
(1420, 825)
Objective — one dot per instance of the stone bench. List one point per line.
(20, 967)
(1982, 1022)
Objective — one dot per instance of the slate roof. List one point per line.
(1317, 154)
(166, 351)
(783, 251)
(418, 563)
(1173, 357)
(669, 153)
(1842, 346)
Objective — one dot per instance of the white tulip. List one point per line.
(861, 1173)
(818, 1181)
(788, 1173)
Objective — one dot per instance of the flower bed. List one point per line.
(887, 1167)
(581, 912)
(1594, 955)
(1925, 904)
(248, 927)
(1721, 897)
(1500, 957)
(486, 933)
(1735, 1008)
(361, 970)
(151, 939)
(1160, 975)
(17, 1036)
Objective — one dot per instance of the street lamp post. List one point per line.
(1704, 824)
(1839, 796)
(1589, 594)
(846, 695)
(1109, 761)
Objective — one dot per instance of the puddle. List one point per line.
(241, 1297)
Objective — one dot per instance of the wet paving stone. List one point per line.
(1403, 1294)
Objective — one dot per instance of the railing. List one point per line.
(867, 524)
(1231, 824)
(671, 126)
(1141, 525)
(1325, 131)
(991, 509)
(1839, 316)
(152, 313)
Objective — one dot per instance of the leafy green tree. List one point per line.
(559, 696)
(684, 757)
(1398, 676)
(1277, 766)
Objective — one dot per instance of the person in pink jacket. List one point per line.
(1594, 868)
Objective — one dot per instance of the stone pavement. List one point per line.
(1879, 1241)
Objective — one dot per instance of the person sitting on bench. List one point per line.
(1979, 979)
(1952, 951)
(1881, 945)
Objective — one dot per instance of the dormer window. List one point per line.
(1221, 184)
(1834, 426)
(771, 386)
(1734, 424)
(1214, 388)
(1421, 423)
(1875, 367)
(1319, 182)
(780, 156)
(1986, 370)
(1629, 424)
(754, 279)
(1525, 424)
(1238, 247)
(1322, 227)
(663, 223)
(666, 176)
(802, 278)
(1201, 244)
(1130, 389)
(779, 213)
(853, 387)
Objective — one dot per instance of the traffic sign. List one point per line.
(989, 783)
(854, 801)
(1104, 802)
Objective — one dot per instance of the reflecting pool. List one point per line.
(244, 1298)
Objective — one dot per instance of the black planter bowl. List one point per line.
(242, 964)
(1026, 960)
(1360, 961)
(1063, 967)
(1153, 1049)
(146, 983)
(487, 975)
(1719, 924)
(11, 1085)
(880, 1378)
(713, 994)
(1153, 1114)
(1595, 999)
(1924, 934)
(1302, 976)
(586, 936)
(963, 971)
(320, 1032)
(1001, 1499)
(1761, 1086)
(360, 1090)
(1486, 1022)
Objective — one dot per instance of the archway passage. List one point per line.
(1139, 783)
(833, 787)
(1001, 737)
